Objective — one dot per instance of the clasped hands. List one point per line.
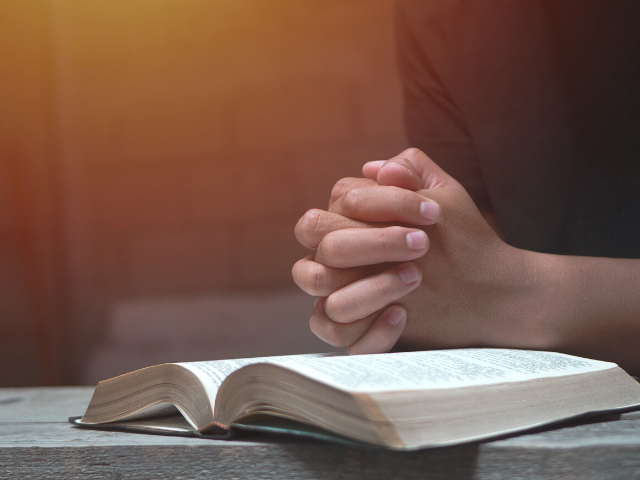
(403, 259)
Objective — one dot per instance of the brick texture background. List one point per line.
(190, 137)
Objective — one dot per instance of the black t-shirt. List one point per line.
(534, 106)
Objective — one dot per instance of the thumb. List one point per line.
(412, 169)
(396, 172)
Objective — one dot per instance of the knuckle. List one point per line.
(312, 277)
(318, 278)
(308, 226)
(351, 200)
(310, 221)
(296, 272)
(300, 275)
(341, 186)
(336, 307)
(329, 247)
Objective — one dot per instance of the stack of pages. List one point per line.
(402, 401)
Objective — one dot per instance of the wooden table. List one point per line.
(36, 442)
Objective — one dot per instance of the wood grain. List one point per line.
(37, 442)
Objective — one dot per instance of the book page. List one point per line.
(213, 373)
(439, 369)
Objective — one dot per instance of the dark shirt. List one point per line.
(534, 106)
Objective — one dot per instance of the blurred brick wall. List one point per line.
(193, 135)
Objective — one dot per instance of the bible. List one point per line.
(402, 401)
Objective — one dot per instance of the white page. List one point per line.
(410, 370)
(213, 373)
(439, 369)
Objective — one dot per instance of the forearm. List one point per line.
(590, 307)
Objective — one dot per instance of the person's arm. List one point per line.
(472, 290)
(492, 220)
(589, 306)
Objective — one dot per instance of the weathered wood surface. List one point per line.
(36, 442)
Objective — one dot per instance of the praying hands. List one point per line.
(404, 259)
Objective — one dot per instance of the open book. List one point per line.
(402, 401)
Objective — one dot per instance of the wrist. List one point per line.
(535, 297)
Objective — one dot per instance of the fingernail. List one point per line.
(429, 210)
(375, 163)
(417, 240)
(395, 316)
(409, 274)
